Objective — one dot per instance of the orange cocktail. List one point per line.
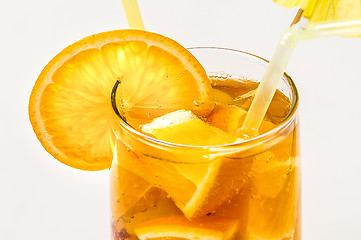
(185, 176)
(181, 167)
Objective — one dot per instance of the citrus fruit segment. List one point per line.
(162, 208)
(237, 208)
(178, 227)
(269, 174)
(70, 108)
(275, 218)
(183, 127)
(229, 118)
(224, 179)
(157, 172)
(134, 200)
(154, 203)
(196, 188)
(126, 190)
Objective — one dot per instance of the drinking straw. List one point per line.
(270, 81)
(132, 12)
(280, 59)
(334, 28)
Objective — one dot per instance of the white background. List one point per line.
(42, 199)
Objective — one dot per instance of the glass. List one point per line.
(245, 190)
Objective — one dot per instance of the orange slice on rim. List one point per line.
(70, 108)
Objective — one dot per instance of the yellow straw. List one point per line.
(132, 12)
(270, 81)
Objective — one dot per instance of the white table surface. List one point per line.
(42, 199)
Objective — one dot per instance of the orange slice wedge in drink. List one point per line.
(196, 188)
(183, 127)
(162, 208)
(178, 227)
(126, 188)
(229, 118)
(275, 217)
(70, 108)
(133, 199)
(269, 175)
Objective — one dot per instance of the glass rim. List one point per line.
(254, 141)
